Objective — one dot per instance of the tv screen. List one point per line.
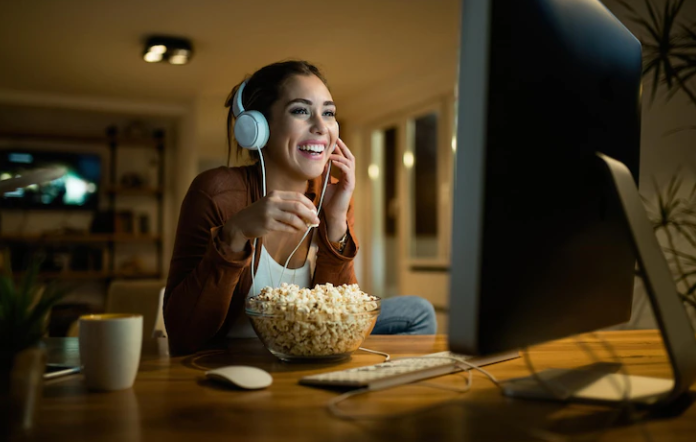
(49, 180)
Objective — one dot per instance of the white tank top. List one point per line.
(268, 274)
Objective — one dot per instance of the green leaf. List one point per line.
(23, 310)
(684, 256)
(686, 235)
(654, 31)
(684, 276)
(29, 287)
(50, 297)
(688, 300)
(681, 129)
(667, 47)
(673, 187)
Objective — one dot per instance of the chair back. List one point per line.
(142, 297)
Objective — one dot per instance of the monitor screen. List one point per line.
(540, 247)
(49, 179)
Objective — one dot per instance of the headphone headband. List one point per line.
(237, 107)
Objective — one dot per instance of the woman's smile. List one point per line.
(312, 149)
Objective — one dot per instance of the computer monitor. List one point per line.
(541, 244)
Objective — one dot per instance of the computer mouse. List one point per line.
(242, 376)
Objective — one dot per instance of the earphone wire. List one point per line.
(256, 240)
(309, 228)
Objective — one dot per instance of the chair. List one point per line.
(144, 297)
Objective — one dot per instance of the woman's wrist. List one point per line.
(336, 228)
(234, 238)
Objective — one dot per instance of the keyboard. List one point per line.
(401, 371)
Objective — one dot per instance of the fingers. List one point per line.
(285, 196)
(342, 154)
(342, 148)
(341, 160)
(345, 162)
(344, 167)
(293, 208)
(291, 220)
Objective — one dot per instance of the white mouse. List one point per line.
(249, 378)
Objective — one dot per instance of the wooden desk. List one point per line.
(171, 401)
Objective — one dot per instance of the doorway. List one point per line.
(411, 158)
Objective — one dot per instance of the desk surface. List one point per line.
(171, 400)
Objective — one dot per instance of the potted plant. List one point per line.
(673, 216)
(24, 310)
(669, 63)
(669, 46)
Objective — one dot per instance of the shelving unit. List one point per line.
(117, 190)
(113, 192)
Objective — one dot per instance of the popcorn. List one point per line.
(319, 322)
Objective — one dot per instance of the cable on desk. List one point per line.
(481, 370)
(565, 395)
(627, 403)
(462, 364)
(387, 357)
(204, 354)
(333, 408)
(468, 367)
(561, 396)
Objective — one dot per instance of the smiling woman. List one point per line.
(238, 225)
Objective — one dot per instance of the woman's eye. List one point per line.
(330, 113)
(299, 110)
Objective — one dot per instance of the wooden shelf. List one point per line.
(149, 143)
(54, 137)
(141, 275)
(134, 190)
(135, 143)
(110, 245)
(76, 238)
(69, 275)
(125, 237)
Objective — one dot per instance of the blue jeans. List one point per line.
(406, 315)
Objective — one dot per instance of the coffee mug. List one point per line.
(110, 347)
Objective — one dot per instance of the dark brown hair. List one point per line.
(261, 92)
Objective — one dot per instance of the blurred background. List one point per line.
(74, 86)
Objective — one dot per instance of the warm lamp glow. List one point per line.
(409, 160)
(174, 50)
(373, 172)
(152, 57)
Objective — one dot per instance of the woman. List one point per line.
(225, 217)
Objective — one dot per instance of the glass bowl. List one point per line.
(307, 332)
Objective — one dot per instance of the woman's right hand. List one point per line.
(279, 211)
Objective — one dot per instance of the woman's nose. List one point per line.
(319, 125)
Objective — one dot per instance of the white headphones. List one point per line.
(251, 128)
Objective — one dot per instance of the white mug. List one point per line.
(110, 347)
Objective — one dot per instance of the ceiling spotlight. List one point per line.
(174, 50)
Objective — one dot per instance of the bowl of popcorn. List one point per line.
(326, 323)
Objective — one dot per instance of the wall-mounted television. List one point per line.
(66, 180)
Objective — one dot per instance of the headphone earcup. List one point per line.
(251, 130)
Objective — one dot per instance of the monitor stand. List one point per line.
(604, 383)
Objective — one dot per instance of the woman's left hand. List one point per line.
(337, 197)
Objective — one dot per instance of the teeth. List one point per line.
(317, 148)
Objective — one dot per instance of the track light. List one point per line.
(173, 50)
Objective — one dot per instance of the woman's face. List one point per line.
(303, 128)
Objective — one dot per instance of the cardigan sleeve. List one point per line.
(334, 266)
(203, 273)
